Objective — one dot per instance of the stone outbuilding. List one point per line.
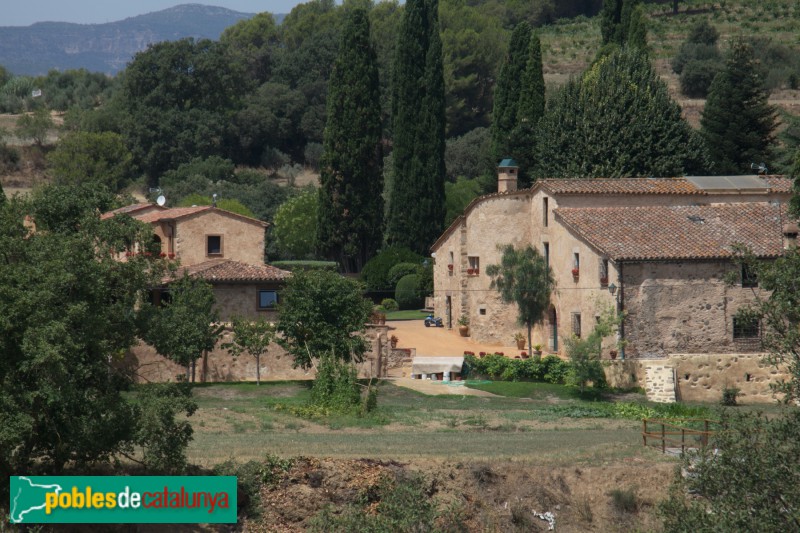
(657, 250)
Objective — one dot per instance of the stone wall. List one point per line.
(681, 307)
(241, 299)
(148, 366)
(703, 377)
(242, 240)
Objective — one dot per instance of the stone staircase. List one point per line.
(660, 383)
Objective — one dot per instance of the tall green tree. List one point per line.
(350, 212)
(251, 336)
(619, 102)
(416, 207)
(523, 278)
(68, 311)
(622, 22)
(97, 158)
(508, 90)
(322, 312)
(738, 123)
(186, 325)
(529, 112)
(295, 227)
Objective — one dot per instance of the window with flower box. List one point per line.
(474, 267)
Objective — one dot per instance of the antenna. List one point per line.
(161, 200)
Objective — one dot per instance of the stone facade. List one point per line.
(669, 284)
(240, 299)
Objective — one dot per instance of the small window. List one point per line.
(474, 265)
(482, 311)
(576, 261)
(604, 272)
(267, 299)
(745, 328)
(214, 245)
(576, 324)
(749, 277)
(547, 254)
(545, 213)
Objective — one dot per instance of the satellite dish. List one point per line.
(161, 200)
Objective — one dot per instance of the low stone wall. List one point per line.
(703, 377)
(218, 365)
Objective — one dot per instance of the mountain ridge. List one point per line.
(107, 47)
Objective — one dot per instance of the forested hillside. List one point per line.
(228, 116)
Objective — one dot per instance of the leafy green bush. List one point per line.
(400, 270)
(335, 386)
(697, 76)
(375, 273)
(249, 478)
(729, 395)
(408, 292)
(163, 438)
(389, 304)
(550, 369)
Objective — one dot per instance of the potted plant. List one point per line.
(393, 341)
(463, 326)
(613, 354)
(537, 350)
(576, 273)
(604, 280)
(519, 338)
(450, 267)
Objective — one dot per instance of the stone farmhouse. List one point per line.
(657, 250)
(223, 248)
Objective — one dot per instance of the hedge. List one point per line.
(550, 369)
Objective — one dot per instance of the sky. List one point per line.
(26, 12)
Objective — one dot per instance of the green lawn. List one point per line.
(411, 314)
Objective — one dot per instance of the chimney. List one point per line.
(507, 172)
(790, 232)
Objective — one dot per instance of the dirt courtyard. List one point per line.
(440, 341)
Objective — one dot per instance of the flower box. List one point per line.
(172, 256)
(450, 268)
(575, 272)
(470, 271)
(603, 281)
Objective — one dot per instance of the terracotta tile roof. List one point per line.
(173, 213)
(129, 209)
(224, 270)
(679, 232)
(635, 186)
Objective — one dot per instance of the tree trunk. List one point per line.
(530, 344)
(194, 365)
(675, 7)
(258, 370)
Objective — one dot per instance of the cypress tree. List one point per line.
(350, 216)
(738, 123)
(622, 22)
(416, 207)
(529, 112)
(617, 120)
(507, 93)
(531, 98)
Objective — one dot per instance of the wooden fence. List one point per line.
(677, 433)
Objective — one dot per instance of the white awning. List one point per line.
(434, 365)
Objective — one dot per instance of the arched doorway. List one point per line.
(552, 318)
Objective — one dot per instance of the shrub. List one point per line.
(336, 386)
(729, 395)
(555, 369)
(390, 304)
(697, 76)
(400, 270)
(551, 369)
(249, 477)
(375, 273)
(624, 501)
(408, 293)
